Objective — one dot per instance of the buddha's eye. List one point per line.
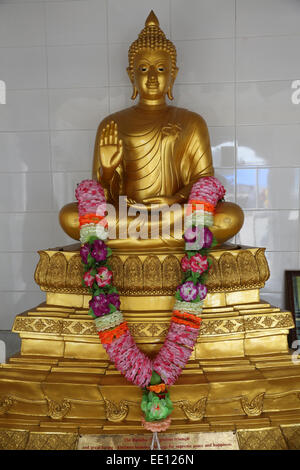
(143, 68)
(161, 68)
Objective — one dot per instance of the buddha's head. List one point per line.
(152, 63)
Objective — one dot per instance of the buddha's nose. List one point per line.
(152, 74)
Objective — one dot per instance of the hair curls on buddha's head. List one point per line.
(152, 37)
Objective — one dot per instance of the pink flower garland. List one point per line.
(184, 328)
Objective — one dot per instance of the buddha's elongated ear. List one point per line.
(170, 93)
(135, 91)
(170, 89)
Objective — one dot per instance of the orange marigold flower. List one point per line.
(157, 388)
(186, 318)
(91, 219)
(205, 206)
(107, 337)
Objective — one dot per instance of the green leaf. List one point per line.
(214, 242)
(109, 251)
(155, 379)
(177, 295)
(90, 312)
(90, 260)
(113, 308)
(92, 239)
(204, 251)
(111, 289)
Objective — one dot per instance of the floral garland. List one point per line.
(153, 376)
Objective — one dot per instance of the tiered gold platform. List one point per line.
(240, 377)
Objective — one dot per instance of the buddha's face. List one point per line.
(152, 74)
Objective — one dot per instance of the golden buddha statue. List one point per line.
(152, 152)
(240, 376)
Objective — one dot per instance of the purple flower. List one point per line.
(114, 299)
(191, 234)
(99, 250)
(207, 238)
(188, 291)
(202, 291)
(84, 252)
(100, 305)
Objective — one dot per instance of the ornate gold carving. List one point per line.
(143, 292)
(56, 274)
(171, 272)
(253, 407)
(5, 404)
(261, 439)
(220, 327)
(55, 326)
(40, 274)
(292, 436)
(229, 270)
(38, 325)
(194, 412)
(52, 441)
(277, 320)
(262, 264)
(152, 273)
(74, 271)
(214, 275)
(208, 327)
(248, 268)
(133, 273)
(57, 410)
(156, 275)
(149, 329)
(116, 265)
(13, 440)
(77, 327)
(116, 413)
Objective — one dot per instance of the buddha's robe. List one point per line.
(165, 153)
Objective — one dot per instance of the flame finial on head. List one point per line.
(152, 20)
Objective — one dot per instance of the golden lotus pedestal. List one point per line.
(240, 376)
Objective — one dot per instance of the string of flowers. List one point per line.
(153, 376)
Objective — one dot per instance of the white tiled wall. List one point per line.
(64, 64)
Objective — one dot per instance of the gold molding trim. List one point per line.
(260, 322)
(209, 327)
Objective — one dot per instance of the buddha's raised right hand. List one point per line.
(110, 150)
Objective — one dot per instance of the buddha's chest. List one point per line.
(143, 144)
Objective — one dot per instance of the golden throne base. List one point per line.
(240, 376)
